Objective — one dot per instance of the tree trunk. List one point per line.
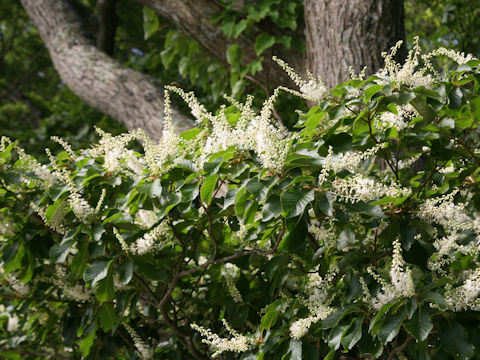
(341, 33)
(130, 97)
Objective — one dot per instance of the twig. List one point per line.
(399, 348)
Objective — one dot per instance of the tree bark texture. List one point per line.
(344, 33)
(193, 18)
(130, 97)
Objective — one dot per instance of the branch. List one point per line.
(399, 348)
(132, 98)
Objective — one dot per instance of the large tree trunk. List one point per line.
(344, 33)
(130, 97)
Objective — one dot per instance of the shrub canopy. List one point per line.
(356, 233)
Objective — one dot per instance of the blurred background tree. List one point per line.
(209, 47)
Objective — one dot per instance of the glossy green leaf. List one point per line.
(419, 325)
(263, 42)
(295, 202)
(208, 187)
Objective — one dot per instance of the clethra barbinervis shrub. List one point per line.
(354, 235)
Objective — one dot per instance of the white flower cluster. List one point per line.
(405, 163)
(149, 242)
(389, 119)
(349, 160)
(409, 74)
(66, 146)
(359, 188)
(118, 158)
(270, 141)
(115, 156)
(400, 274)
(17, 286)
(401, 285)
(80, 207)
(445, 212)
(56, 220)
(6, 228)
(459, 57)
(237, 343)
(29, 163)
(464, 296)
(76, 292)
(318, 303)
(324, 234)
(13, 323)
(145, 218)
(406, 74)
(231, 272)
(313, 90)
(145, 351)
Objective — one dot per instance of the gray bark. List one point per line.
(344, 33)
(130, 97)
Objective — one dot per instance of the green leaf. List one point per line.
(150, 22)
(419, 325)
(336, 334)
(312, 122)
(52, 209)
(454, 339)
(435, 298)
(59, 252)
(108, 317)
(87, 342)
(227, 27)
(234, 55)
(212, 167)
(475, 107)
(391, 327)
(346, 238)
(97, 271)
(367, 209)
(259, 188)
(423, 108)
(295, 349)
(12, 256)
(455, 97)
(229, 199)
(372, 90)
(325, 203)
(190, 134)
(239, 28)
(153, 189)
(272, 208)
(79, 262)
(271, 314)
(104, 289)
(241, 202)
(295, 202)
(369, 345)
(263, 42)
(384, 309)
(208, 188)
(126, 271)
(354, 334)
(330, 355)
